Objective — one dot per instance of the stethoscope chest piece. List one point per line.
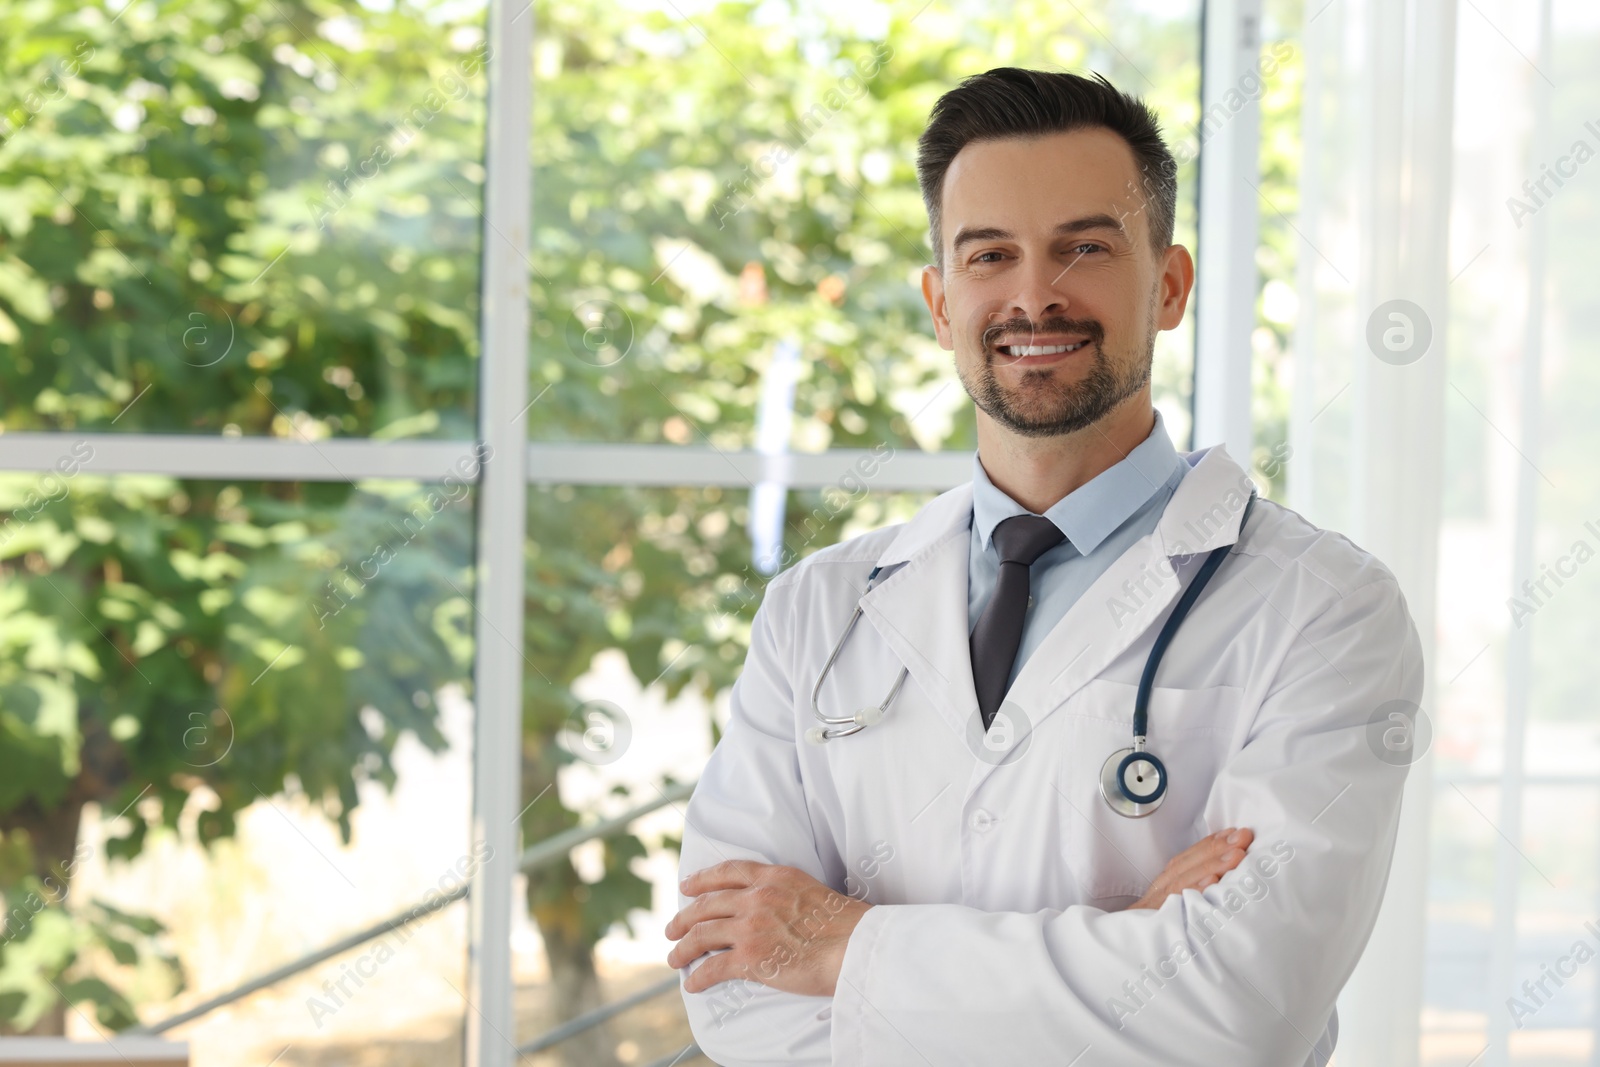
(1133, 781)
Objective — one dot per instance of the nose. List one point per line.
(1042, 291)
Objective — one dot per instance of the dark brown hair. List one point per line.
(1011, 102)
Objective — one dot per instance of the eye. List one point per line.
(979, 258)
(1087, 244)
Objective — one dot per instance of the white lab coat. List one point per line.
(998, 935)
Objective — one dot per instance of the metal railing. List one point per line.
(688, 1053)
(533, 857)
(590, 1019)
(305, 962)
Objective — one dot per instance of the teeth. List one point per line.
(1040, 350)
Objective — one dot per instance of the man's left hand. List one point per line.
(782, 928)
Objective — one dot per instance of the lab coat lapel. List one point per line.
(920, 608)
(1133, 594)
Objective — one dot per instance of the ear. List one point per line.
(933, 295)
(1177, 281)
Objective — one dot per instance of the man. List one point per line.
(951, 885)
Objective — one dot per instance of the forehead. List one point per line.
(1029, 183)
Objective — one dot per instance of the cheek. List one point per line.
(975, 309)
(1125, 313)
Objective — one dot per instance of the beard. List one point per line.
(1044, 403)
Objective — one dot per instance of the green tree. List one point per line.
(173, 257)
(705, 190)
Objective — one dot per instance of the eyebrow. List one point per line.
(1102, 221)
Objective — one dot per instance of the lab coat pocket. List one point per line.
(1111, 855)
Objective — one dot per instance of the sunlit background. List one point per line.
(260, 291)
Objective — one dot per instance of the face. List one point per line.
(1051, 295)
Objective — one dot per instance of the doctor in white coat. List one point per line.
(950, 885)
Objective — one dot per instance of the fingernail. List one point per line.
(1235, 837)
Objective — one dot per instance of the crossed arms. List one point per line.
(795, 972)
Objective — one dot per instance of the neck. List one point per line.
(1037, 472)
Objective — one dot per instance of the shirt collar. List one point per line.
(1091, 512)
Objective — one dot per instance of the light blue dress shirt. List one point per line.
(1101, 519)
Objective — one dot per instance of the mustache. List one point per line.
(1021, 329)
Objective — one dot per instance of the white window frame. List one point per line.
(1222, 391)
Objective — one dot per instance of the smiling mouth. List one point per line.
(1038, 350)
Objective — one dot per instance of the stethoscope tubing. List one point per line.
(853, 724)
(833, 728)
(1141, 700)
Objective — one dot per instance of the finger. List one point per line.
(1202, 848)
(1197, 880)
(723, 967)
(1201, 864)
(1206, 852)
(729, 874)
(704, 937)
(716, 904)
(1222, 862)
(1215, 872)
(1199, 857)
(1212, 873)
(732, 874)
(1234, 855)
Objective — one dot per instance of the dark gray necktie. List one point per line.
(1019, 541)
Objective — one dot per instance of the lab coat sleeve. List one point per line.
(1245, 972)
(750, 805)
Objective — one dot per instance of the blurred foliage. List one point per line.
(694, 205)
(708, 184)
(52, 955)
(262, 217)
(240, 218)
(163, 642)
(195, 219)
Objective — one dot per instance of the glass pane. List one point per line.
(239, 710)
(727, 219)
(257, 219)
(1280, 97)
(640, 602)
(1515, 868)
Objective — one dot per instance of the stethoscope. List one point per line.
(853, 724)
(1133, 780)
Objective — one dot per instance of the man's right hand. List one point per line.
(1200, 865)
